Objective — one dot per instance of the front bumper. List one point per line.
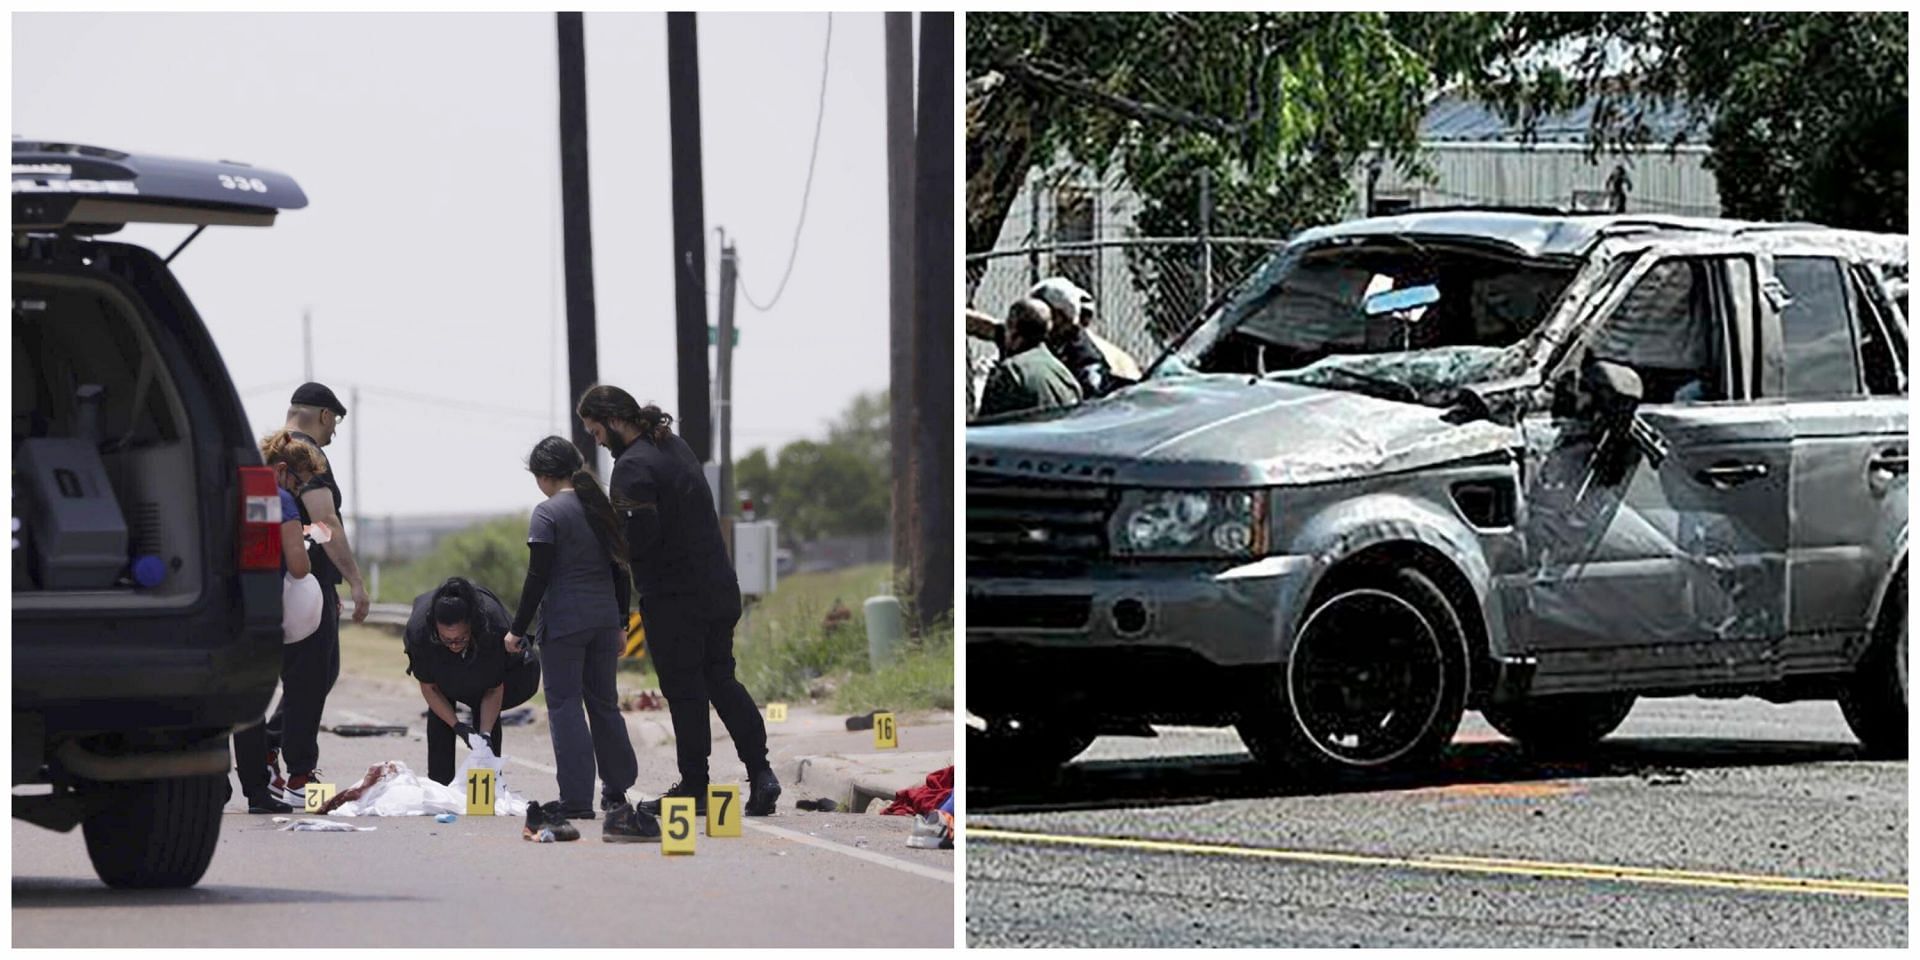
(1235, 617)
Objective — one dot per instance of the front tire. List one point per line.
(1875, 700)
(1376, 681)
(1563, 723)
(155, 833)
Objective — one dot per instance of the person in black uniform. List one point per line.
(456, 649)
(689, 596)
(310, 667)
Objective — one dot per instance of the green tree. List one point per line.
(1806, 112)
(835, 487)
(1279, 106)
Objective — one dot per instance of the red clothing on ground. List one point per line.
(914, 801)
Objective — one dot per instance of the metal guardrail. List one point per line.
(390, 614)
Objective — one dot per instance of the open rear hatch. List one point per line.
(92, 190)
(109, 466)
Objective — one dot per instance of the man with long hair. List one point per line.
(689, 595)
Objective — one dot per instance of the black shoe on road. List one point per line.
(624, 824)
(548, 818)
(698, 792)
(763, 792)
(268, 805)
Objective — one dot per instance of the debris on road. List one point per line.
(447, 818)
(366, 730)
(320, 826)
(645, 700)
(1663, 776)
(822, 805)
(517, 718)
(864, 722)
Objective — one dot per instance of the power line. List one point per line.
(805, 192)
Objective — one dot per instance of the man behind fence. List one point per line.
(1031, 377)
(1069, 339)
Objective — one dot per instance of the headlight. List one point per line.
(1191, 523)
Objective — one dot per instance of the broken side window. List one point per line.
(1820, 354)
(1665, 330)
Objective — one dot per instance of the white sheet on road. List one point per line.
(398, 792)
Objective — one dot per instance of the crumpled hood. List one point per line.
(1227, 430)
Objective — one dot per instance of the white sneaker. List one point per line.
(930, 832)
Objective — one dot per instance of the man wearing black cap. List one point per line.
(310, 667)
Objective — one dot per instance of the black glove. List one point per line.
(464, 732)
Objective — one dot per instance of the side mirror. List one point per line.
(1613, 388)
(1399, 301)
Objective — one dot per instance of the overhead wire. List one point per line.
(806, 192)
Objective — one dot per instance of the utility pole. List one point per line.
(576, 216)
(728, 502)
(900, 143)
(689, 235)
(306, 340)
(934, 316)
(1205, 218)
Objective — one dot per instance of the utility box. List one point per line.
(755, 543)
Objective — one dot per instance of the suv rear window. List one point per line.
(1820, 354)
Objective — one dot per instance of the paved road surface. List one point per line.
(797, 879)
(1701, 823)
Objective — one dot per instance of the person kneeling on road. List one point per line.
(455, 643)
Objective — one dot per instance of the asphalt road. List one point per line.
(1700, 823)
(795, 879)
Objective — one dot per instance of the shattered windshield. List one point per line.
(1303, 318)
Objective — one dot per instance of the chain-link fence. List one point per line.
(1147, 289)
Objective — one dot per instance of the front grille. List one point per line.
(1012, 519)
(1031, 613)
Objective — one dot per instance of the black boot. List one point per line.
(763, 791)
(697, 791)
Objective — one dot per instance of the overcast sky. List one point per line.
(430, 250)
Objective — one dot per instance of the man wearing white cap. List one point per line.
(1094, 361)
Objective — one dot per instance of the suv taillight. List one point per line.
(259, 519)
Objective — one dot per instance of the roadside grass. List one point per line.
(787, 651)
(922, 677)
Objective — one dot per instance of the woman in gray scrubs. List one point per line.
(577, 578)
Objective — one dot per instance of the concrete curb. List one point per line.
(854, 782)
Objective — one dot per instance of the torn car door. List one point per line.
(1646, 569)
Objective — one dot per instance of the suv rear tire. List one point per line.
(1560, 723)
(1383, 657)
(1875, 700)
(1010, 751)
(155, 833)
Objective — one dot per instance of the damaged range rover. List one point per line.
(1532, 465)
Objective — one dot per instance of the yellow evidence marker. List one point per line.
(317, 796)
(723, 810)
(480, 792)
(676, 825)
(885, 737)
(776, 713)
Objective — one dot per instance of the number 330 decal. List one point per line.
(250, 184)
